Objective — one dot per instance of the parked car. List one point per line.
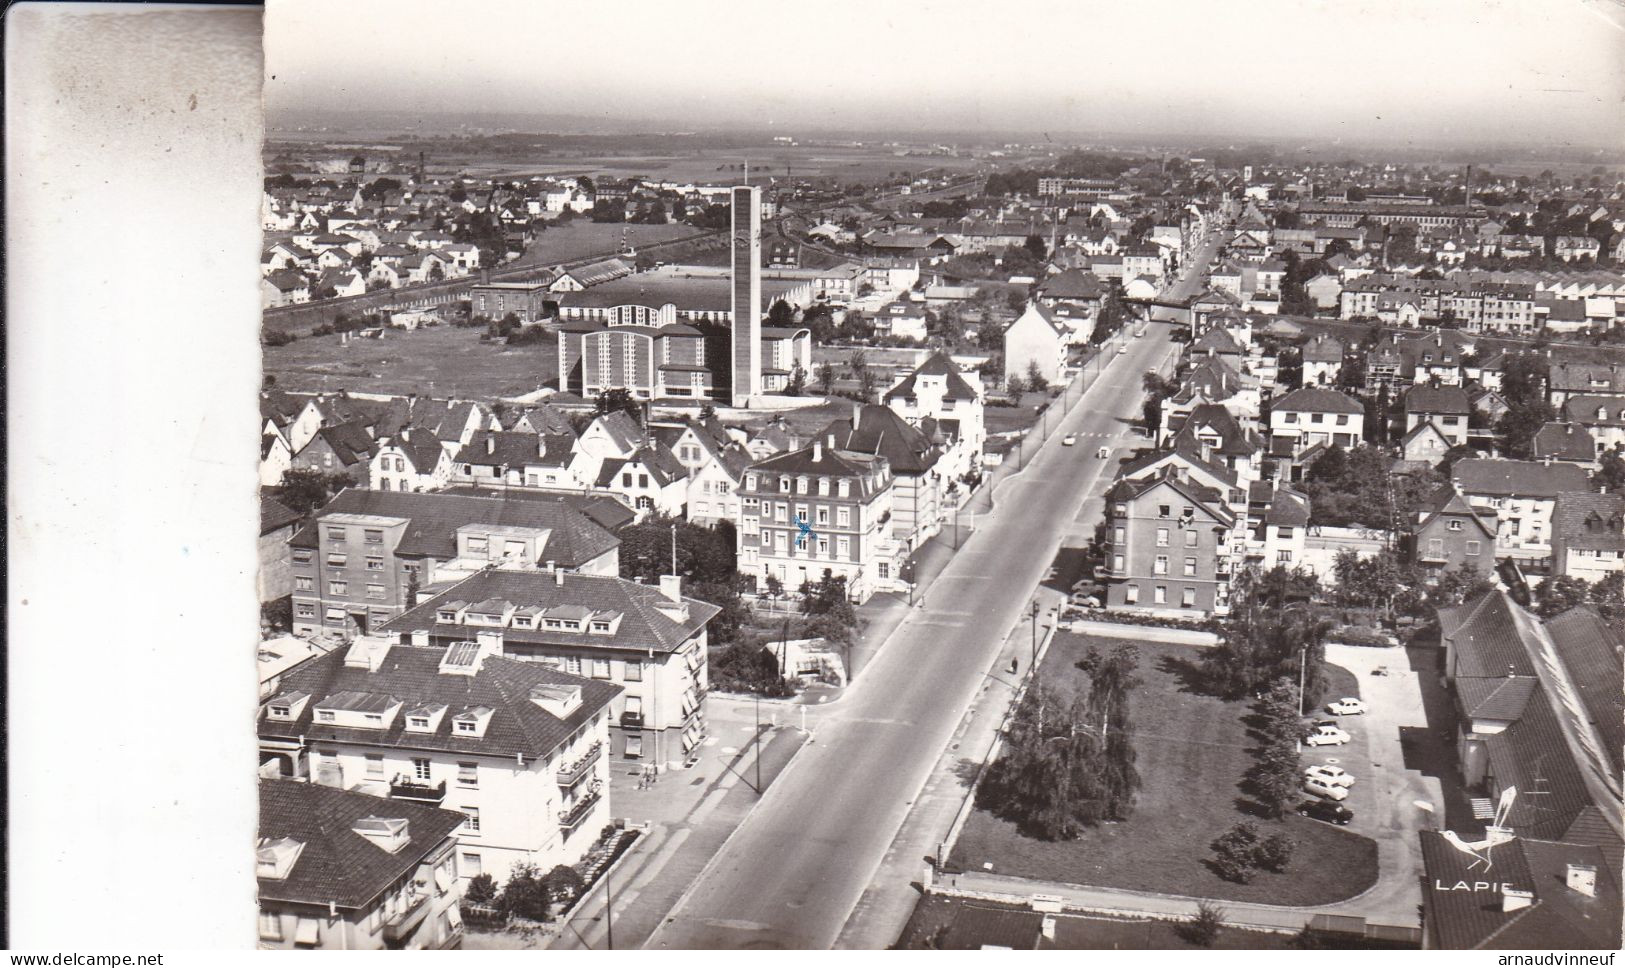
(1331, 774)
(1069, 440)
(1104, 452)
(1326, 735)
(1083, 600)
(1326, 811)
(1320, 788)
(1122, 349)
(1347, 706)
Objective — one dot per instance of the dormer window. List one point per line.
(477, 546)
(600, 626)
(417, 722)
(553, 623)
(784, 484)
(467, 726)
(523, 622)
(324, 715)
(281, 712)
(446, 615)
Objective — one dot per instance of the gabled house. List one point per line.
(345, 448)
(412, 460)
(1311, 416)
(1568, 442)
(1445, 407)
(919, 483)
(1214, 434)
(1425, 444)
(1035, 340)
(1522, 494)
(1167, 546)
(936, 392)
(651, 480)
(1588, 535)
(1450, 534)
(1602, 416)
(1322, 361)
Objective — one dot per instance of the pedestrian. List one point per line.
(1015, 663)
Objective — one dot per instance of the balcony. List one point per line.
(570, 818)
(570, 774)
(402, 788)
(398, 929)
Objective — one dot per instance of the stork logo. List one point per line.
(806, 529)
(1494, 835)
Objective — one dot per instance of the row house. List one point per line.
(648, 643)
(517, 748)
(818, 510)
(339, 870)
(361, 560)
(521, 458)
(1522, 494)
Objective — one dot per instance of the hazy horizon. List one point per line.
(1445, 73)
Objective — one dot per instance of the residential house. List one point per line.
(412, 460)
(275, 575)
(345, 448)
(1218, 342)
(1445, 407)
(1325, 290)
(900, 319)
(1311, 416)
(359, 563)
(1425, 444)
(1602, 416)
(284, 287)
(647, 643)
(1522, 494)
(1588, 534)
(1565, 380)
(1451, 534)
(1216, 436)
(349, 871)
(516, 747)
(819, 509)
(275, 459)
(936, 393)
(1322, 361)
(1035, 341)
(651, 480)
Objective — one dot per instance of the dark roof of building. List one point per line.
(605, 510)
(1430, 399)
(1520, 478)
(574, 539)
(1288, 508)
(818, 459)
(1484, 633)
(1564, 441)
(1533, 755)
(1072, 284)
(1560, 918)
(1584, 407)
(505, 448)
(1589, 520)
(880, 430)
(1586, 378)
(1593, 650)
(1234, 439)
(411, 675)
(643, 625)
(274, 514)
(350, 442)
(975, 927)
(1317, 400)
(1207, 498)
(663, 465)
(1501, 699)
(1323, 348)
(336, 864)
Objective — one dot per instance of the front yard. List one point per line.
(1193, 751)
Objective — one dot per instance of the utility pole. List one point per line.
(674, 549)
(758, 744)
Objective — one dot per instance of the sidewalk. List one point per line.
(669, 856)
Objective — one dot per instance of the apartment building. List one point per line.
(344, 871)
(820, 509)
(648, 642)
(1588, 534)
(357, 564)
(1168, 546)
(918, 481)
(1315, 416)
(1522, 494)
(515, 747)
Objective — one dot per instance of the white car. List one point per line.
(1347, 706)
(1103, 453)
(1326, 735)
(1335, 775)
(1328, 791)
(1069, 440)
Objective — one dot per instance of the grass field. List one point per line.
(582, 238)
(934, 917)
(723, 167)
(1193, 751)
(440, 360)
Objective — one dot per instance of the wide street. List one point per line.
(792, 873)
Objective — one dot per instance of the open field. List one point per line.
(933, 919)
(1193, 751)
(440, 360)
(722, 166)
(582, 238)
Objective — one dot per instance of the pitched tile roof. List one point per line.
(274, 514)
(604, 510)
(336, 864)
(1593, 649)
(1584, 407)
(574, 539)
(1559, 918)
(1497, 699)
(1532, 755)
(882, 431)
(1430, 399)
(935, 365)
(1317, 399)
(871, 475)
(1484, 634)
(1324, 348)
(1564, 441)
(643, 625)
(1520, 478)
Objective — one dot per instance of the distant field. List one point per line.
(844, 164)
(581, 239)
(441, 360)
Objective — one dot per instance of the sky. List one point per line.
(1420, 71)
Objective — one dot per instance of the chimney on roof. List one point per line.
(490, 445)
(818, 452)
(1582, 878)
(1512, 670)
(1513, 899)
(558, 577)
(671, 586)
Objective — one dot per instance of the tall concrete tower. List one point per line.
(746, 302)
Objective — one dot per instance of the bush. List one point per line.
(275, 337)
(1237, 850)
(482, 889)
(564, 884)
(1275, 853)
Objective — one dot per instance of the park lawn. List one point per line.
(441, 361)
(1192, 753)
(1002, 420)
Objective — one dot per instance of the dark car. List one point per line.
(1327, 811)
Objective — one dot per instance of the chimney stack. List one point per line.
(818, 452)
(1583, 879)
(490, 444)
(1513, 899)
(671, 586)
(558, 576)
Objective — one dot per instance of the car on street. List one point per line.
(1104, 452)
(1122, 349)
(1069, 440)
(1326, 811)
(1083, 600)
(1347, 706)
(1331, 774)
(1324, 734)
(1320, 788)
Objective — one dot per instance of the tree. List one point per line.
(1036, 248)
(481, 889)
(1560, 593)
(1111, 680)
(1275, 853)
(305, 490)
(1043, 780)
(525, 893)
(1035, 377)
(619, 398)
(797, 384)
(1610, 474)
(1203, 930)
(565, 883)
(781, 314)
(826, 377)
(704, 554)
(1459, 585)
